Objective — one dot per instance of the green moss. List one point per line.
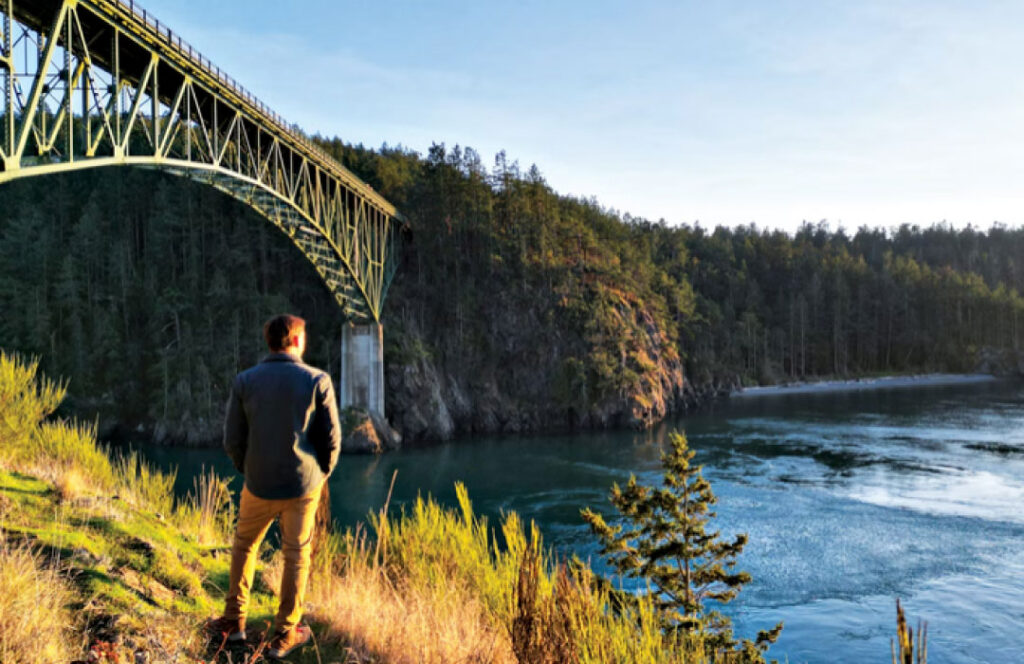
(135, 560)
(112, 594)
(217, 573)
(61, 539)
(198, 606)
(20, 483)
(160, 532)
(168, 569)
(138, 540)
(106, 526)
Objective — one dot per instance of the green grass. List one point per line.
(25, 484)
(107, 548)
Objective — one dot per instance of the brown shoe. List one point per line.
(231, 628)
(289, 641)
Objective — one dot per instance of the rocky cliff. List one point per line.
(547, 369)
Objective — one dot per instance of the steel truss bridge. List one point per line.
(92, 83)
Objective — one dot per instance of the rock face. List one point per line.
(420, 395)
(539, 376)
(1000, 362)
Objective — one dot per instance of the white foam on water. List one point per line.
(977, 494)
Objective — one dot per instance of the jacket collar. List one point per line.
(281, 357)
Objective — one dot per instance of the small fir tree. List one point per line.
(665, 541)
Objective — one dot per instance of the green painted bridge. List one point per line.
(100, 83)
(94, 83)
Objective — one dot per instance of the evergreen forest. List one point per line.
(515, 308)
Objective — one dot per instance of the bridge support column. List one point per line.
(362, 367)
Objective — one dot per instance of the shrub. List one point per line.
(25, 400)
(548, 611)
(433, 545)
(665, 542)
(384, 614)
(541, 629)
(61, 447)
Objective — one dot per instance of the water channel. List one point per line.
(850, 501)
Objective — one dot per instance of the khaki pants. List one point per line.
(254, 518)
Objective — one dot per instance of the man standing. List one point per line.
(282, 432)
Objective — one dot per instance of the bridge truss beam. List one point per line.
(92, 83)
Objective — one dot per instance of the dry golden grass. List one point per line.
(35, 626)
(171, 637)
(404, 624)
(207, 510)
(70, 485)
(270, 572)
(380, 620)
(911, 650)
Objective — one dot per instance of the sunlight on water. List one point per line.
(979, 494)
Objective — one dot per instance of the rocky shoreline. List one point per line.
(427, 405)
(445, 411)
(860, 384)
(437, 407)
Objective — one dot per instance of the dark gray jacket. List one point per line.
(281, 429)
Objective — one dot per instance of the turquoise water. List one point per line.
(850, 500)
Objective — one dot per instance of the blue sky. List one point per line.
(726, 112)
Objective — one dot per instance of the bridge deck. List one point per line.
(138, 25)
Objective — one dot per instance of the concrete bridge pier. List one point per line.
(362, 367)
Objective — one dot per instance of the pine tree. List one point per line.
(665, 542)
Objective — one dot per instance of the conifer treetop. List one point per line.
(665, 538)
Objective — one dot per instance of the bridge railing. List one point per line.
(186, 49)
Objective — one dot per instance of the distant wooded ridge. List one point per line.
(515, 309)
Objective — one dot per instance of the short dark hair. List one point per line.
(278, 331)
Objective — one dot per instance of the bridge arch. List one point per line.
(98, 83)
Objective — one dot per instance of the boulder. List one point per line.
(368, 433)
(362, 438)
